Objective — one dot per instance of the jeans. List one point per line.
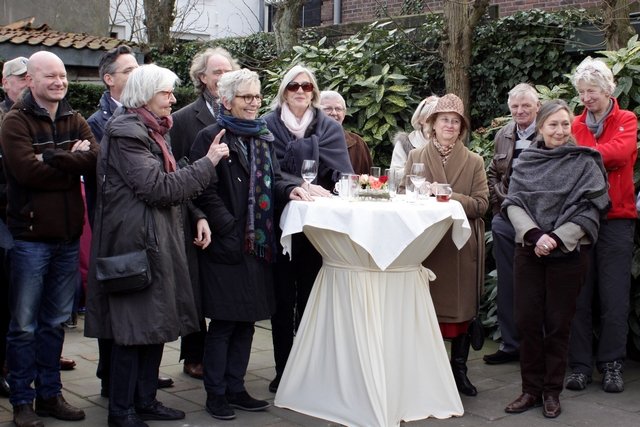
(41, 290)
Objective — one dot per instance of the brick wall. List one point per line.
(367, 10)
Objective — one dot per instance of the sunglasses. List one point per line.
(294, 86)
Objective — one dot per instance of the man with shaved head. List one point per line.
(47, 147)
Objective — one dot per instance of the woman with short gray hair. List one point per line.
(138, 210)
(612, 131)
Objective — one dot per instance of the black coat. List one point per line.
(141, 202)
(236, 286)
(187, 123)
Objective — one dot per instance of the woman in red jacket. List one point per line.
(613, 132)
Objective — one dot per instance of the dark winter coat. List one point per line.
(44, 197)
(323, 142)
(187, 123)
(140, 206)
(236, 286)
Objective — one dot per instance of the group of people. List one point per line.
(200, 192)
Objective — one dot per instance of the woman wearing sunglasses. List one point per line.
(302, 131)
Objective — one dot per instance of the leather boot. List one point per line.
(459, 355)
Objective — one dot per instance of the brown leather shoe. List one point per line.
(523, 403)
(67, 364)
(551, 407)
(57, 407)
(194, 370)
(23, 416)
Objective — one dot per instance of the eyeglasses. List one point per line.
(125, 71)
(249, 98)
(167, 93)
(329, 110)
(294, 86)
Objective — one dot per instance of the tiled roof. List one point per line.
(22, 31)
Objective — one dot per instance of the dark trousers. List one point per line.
(103, 372)
(293, 280)
(608, 280)
(4, 308)
(546, 292)
(503, 250)
(192, 345)
(226, 356)
(134, 377)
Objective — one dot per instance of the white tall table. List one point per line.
(369, 351)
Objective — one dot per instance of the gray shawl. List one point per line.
(560, 185)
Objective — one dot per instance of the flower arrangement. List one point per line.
(373, 188)
(372, 182)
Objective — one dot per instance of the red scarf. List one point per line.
(158, 127)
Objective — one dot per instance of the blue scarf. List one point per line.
(259, 238)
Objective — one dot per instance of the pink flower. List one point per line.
(375, 183)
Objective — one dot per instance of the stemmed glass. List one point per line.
(418, 176)
(309, 170)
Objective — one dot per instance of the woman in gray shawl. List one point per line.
(557, 193)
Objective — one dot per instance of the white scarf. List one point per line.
(417, 139)
(295, 126)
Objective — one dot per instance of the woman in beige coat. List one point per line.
(459, 272)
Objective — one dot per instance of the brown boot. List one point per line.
(57, 407)
(23, 416)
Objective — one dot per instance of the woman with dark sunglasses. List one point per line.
(302, 131)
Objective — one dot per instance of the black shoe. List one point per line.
(157, 411)
(165, 382)
(273, 385)
(5, 390)
(245, 402)
(129, 420)
(459, 354)
(57, 407)
(23, 416)
(612, 381)
(218, 407)
(500, 357)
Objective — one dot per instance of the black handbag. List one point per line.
(124, 273)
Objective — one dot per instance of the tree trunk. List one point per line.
(617, 28)
(158, 17)
(287, 22)
(460, 20)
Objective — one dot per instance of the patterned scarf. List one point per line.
(259, 239)
(443, 150)
(158, 127)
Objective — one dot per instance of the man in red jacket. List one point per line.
(613, 132)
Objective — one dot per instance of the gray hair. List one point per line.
(288, 78)
(332, 94)
(423, 111)
(229, 82)
(199, 65)
(594, 72)
(523, 89)
(144, 82)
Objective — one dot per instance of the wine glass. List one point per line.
(309, 170)
(418, 175)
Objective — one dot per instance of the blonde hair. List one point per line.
(279, 100)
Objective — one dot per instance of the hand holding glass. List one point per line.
(309, 170)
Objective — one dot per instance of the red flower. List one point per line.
(383, 179)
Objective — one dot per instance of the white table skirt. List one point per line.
(369, 350)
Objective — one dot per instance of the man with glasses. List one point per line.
(206, 69)
(332, 103)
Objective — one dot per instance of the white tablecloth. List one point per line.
(369, 350)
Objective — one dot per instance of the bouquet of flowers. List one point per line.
(371, 187)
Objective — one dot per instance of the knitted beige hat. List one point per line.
(450, 103)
